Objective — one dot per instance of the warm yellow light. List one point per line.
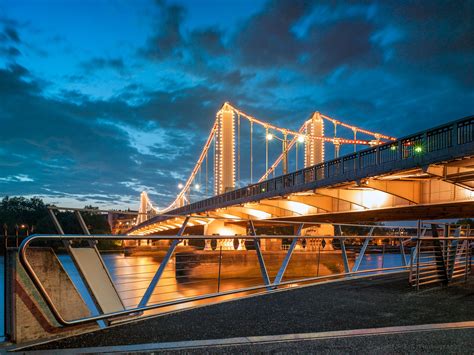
(269, 137)
(374, 198)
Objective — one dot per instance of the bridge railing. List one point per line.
(418, 149)
(171, 272)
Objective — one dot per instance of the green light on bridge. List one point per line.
(418, 149)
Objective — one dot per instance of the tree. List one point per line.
(34, 213)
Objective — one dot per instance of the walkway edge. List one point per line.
(253, 340)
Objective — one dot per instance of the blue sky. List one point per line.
(101, 99)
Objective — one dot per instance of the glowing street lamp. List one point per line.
(180, 186)
(284, 141)
(301, 139)
(197, 186)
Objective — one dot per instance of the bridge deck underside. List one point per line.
(409, 195)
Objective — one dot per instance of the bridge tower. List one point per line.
(143, 209)
(314, 147)
(224, 160)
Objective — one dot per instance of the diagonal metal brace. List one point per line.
(343, 250)
(361, 255)
(440, 259)
(261, 261)
(284, 265)
(149, 291)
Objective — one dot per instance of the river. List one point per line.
(132, 275)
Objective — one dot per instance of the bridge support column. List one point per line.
(314, 147)
(207, 245)
(224, 168)
(221, 228)
(313, 236)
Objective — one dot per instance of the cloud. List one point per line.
(266, 39)
(9, 40)
(95, 64)
(16, 178)
(368, 64)
(438, 38)
(167, 38)
(12, 34)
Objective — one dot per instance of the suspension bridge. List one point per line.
(424, 175)
(70, 285)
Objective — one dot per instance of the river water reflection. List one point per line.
(132, 275)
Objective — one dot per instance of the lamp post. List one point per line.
(5, 235)
(17, 227)
(284, 144)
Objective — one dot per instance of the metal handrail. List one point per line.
(268, 286)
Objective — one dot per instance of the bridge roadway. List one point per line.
(427, 175)
(363, 305)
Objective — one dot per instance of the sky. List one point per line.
(100, 100)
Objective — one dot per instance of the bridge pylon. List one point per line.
(143, 209)
(224, 160)
(314, 147)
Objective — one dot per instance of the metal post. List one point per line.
(383, 255)
(468, 257)
(219, 272)
(319, 259)
(418, 244)
(402, 252)
(5, 276)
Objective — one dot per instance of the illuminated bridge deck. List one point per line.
(429, 174)
(382, 301)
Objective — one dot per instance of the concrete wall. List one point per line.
(29, 317)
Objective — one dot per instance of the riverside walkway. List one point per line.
(359, 314)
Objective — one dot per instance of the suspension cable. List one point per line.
(251, 152)
(296, 160)
(266, 148)
(182, 193)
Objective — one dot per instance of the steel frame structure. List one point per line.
(267, 285)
